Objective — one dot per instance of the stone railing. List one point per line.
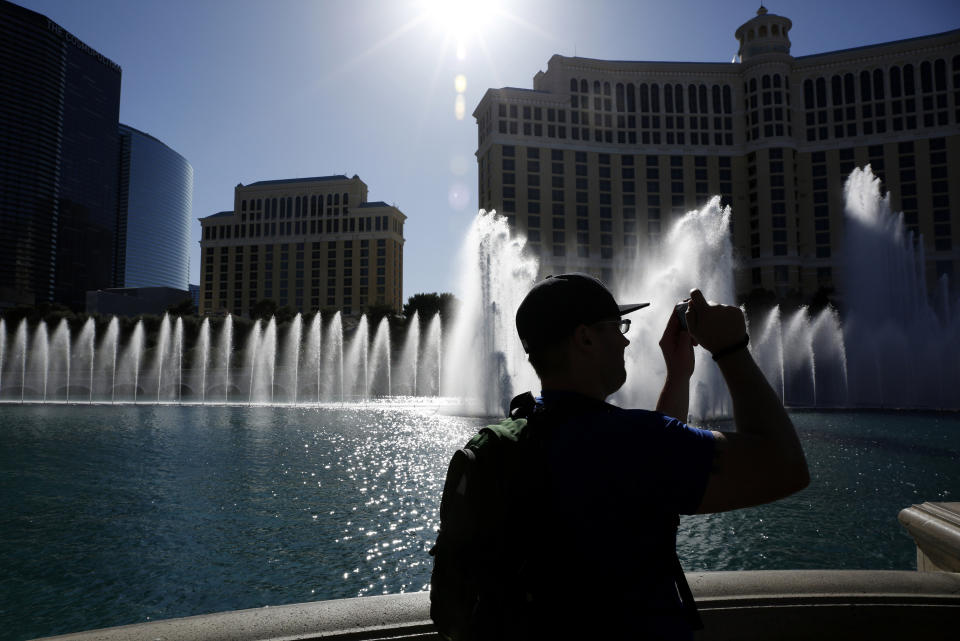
(745, 606)
(935, 527)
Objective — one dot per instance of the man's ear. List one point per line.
(582, 337)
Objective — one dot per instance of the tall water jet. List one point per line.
(160, 355)
(105, 361)
(799, 362)
(177, 353)
(268, 347)
(20, 351)
(262, 358)
(201, 361)
(38, 362)
(890, 324)
(826, 342)
(83, 355)
(356, 363)
(128, 366)
(251, 354)
(405, 373)
(767, 348)
(288, 373)
(58, 377)
(333, 359)
(484, 353)
(696, 252)
(224, 351)
(310, 363)
(431, 358)
(380, 383)
(485, 362)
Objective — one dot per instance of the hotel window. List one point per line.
(908, 187)
(778, 218)
(847, 162)
(816, 110)
(897, 83)
(754, 210)
(872, 104)
(933, 85)
(955, 69)
(939, 189)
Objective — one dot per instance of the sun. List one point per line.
(459, 18)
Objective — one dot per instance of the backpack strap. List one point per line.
(523, 406)
(457, 474)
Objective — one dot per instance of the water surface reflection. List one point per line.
(115, 515)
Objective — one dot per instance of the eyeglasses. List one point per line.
(624, 324)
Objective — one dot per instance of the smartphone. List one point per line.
(681, 310)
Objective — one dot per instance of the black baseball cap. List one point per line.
(558, 304)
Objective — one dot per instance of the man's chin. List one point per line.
(618, 383)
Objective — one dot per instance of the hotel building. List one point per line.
(595, 162)
(310, 243)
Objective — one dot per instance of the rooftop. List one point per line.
(128, 129)
(952, 32)
(574, 60)
(288, 181)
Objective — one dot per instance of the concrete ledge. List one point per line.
(395, 616)
(820, 604)
(812, 604)
(935, 528)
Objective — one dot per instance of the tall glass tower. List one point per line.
(59, 111)
(154, 206)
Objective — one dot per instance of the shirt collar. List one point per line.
(567, 398)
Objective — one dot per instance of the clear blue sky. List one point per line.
(255, 90)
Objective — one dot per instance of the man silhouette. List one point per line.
(617, 479)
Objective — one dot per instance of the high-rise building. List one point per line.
(59, 109)
(308, 243)
(154, 210)
(596, 161)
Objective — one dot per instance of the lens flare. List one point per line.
(458, 196)
(460, 83)
(460, 107)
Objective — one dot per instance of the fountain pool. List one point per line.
(128, 513)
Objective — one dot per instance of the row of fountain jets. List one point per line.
(309, 363)
(893, 347)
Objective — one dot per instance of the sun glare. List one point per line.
(459, 18)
